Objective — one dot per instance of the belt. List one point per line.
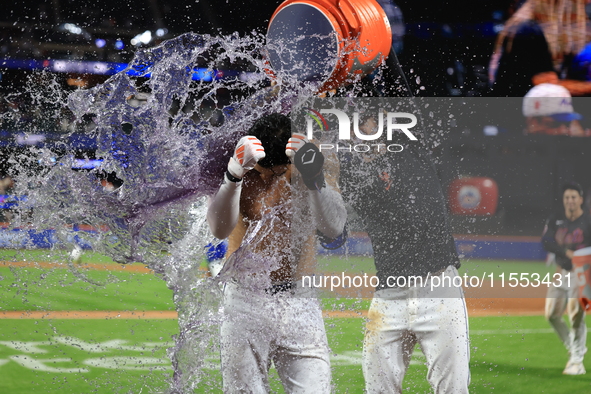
(280, 287)
(441, 271)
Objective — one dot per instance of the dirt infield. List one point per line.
(107, 315)
(485, 301)
(476, 307)
(505, 306)
(134, 268)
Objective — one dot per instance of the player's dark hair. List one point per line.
(110, 177)
(572, 186)
(274, 131)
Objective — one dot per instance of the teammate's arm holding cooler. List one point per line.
(224, 208)
(325, 198)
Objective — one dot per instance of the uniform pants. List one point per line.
(565, 298)
(283, 328)
(401, 317)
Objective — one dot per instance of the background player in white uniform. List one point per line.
(271, 226)
(564, 233)
(400, 201)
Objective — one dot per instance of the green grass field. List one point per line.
(510, 354)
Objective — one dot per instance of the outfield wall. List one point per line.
(28, 238)
(357, 244)
(468, 246)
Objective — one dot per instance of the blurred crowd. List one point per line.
(538, 41)
(6, 199)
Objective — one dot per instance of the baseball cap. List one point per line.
(548, 99)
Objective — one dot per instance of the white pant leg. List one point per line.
(578, 331)
(246, 337)
(556, 301)
(302, 355)
(259, 328)
(441, 327)
(401, 317)
(388, 343)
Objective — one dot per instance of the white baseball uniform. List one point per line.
(284, 328)
(400, 318)
(275, 224)
(566, 298)
(400, 201)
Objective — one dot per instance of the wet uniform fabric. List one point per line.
(398, 198)
(400, 201)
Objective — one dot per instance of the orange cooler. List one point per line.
(327, 42)
(582, 275)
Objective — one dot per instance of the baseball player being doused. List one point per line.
(271, 213)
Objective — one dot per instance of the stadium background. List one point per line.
(447, 46)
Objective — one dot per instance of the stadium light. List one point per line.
(72, 28)
(143, 38)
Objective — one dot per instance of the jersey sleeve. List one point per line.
(224, 209)
(327, 204)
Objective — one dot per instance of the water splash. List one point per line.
(167, 154)
(164, 152)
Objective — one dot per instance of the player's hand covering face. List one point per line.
(247, 153)
(308, 159)
(294, 144)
